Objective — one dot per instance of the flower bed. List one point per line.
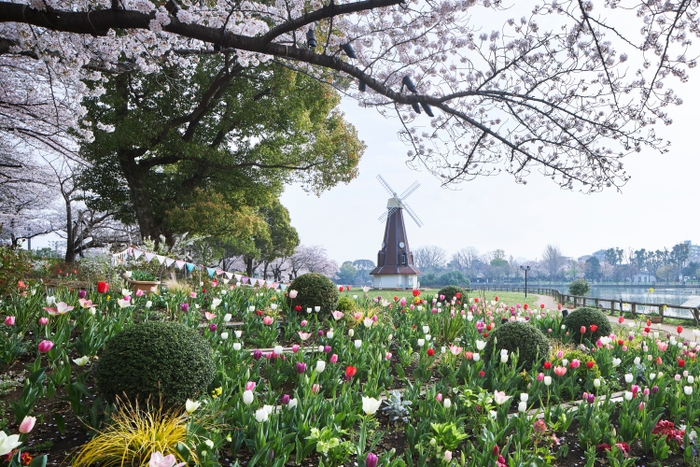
(386, 383)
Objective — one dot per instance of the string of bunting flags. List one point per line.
(123, 257)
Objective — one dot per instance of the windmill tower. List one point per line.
(395, 269)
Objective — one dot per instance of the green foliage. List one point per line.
(155, 359)
(516, 336)
(585, 317)
(15, 266)
(141, 275)
(585, 373)
(258, 129)
(346, 304)
(450, 291)
(579, 287)
(454, 278)
(315, 290)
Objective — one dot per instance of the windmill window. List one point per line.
(403, 258)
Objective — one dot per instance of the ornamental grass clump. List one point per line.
(134, 434)
(588, 323)
(314, 290)
(516, 336)
(155, 360)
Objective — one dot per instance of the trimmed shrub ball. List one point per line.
(314, 290)
(587, 317)
(517, 336)
(157, 360)
(450, 291)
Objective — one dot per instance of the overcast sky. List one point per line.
(657, 208)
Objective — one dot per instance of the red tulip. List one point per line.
(416, 292)
(590, 365)
(594, 327)
(350, 371)
(679, 329)
(681, 363)
(431, 352)
(340, 289)
(102, 287)
(547, 365)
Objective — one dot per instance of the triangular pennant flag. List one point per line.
(160, 258)
(169, 262)
(149, 256)
(179, 264)
(283, 287)
(238, 277)
(137, 253)
(219, 272)
(274, 285)
(229, 275)
(190, 267)
(244, 279)
(211, 271)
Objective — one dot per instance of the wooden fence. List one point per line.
(610, 305)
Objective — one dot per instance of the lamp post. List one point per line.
(525, 269)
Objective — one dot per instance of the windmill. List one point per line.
(395, 269)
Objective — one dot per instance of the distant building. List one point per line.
(693, 251)
(643, 277)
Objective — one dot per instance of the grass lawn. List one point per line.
(510, 298)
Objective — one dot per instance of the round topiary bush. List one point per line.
(155, 359)
(517, 336)
(587, 317)
(314, 290)
(346, 304)
(450, 291)
(579, 287)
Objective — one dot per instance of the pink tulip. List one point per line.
(27, 424)
(250, 385)
(45, 346)
(139, 293)
(334, 358)
(438, 397)
(9, 320)
(268, 320)
(559, 370)
(295, 348)
(43, 321)
(315, 388)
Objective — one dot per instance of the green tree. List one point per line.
(614, 256)
(347, 273)
(592, 269)
(216, 126)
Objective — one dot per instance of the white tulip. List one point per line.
(237, 346)
(320, 366)
(370, 405)
(191, 406)
(262, 415)
(248, 397)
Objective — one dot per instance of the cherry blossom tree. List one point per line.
(565, 87)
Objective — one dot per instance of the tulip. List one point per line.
(185, 307)
(9, 320)
(320, 366)
(102, 287)
(334, 358)
(547, 380)
(212, 327)
(447, 403)
(350, 371)
(268, 320)
(448, 456)
(82, 361)
(44, 321)
(248, 397)
(301, 367)
(292, 403)
(191, 406)
(262, 415)
(370, 405)
(371, 460)
(158, 460)
(293, 294)
(27, 424)
(8, 443)
(45, 346)
(499, 397)
(250, 385)
(285, 399)
(315, 388)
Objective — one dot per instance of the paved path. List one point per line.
(670, 329)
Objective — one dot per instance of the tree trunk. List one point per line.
(249, 266)
(136, 176)
(70, 233)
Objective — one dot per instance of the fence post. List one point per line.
(634, 310)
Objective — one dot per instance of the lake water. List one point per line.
(668, 296)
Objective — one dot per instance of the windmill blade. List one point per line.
(413, 215)
(388, 213)
(386, 186)
(409, 190)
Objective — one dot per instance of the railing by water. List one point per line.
(611, 305)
